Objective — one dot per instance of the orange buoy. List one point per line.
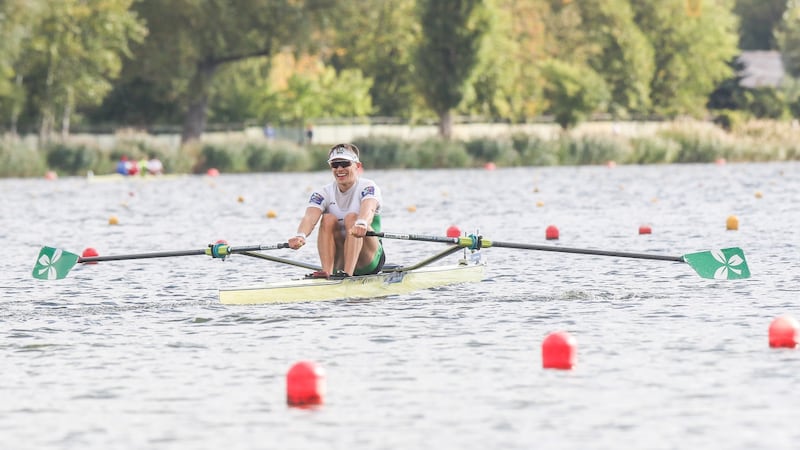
(759, 194)
(240, 199)
(113, 220)
(89, 252)
(732, 223)
(551, 232)
(412, 208)
(453, 231)
(305, 384)
(539, 204)
(645, 229)
(784, 332)
(558, 351)
(271, 214)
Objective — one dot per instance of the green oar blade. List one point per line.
(723, 264)
(53, 264)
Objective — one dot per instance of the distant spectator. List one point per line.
(154, 166)
(269, 132)
(309, 133)
(122, 165)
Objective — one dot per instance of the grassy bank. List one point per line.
(689, 142)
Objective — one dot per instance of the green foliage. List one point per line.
(499, 151)
(729, 120)
(694, 146)
(219, 157)
(378, 38)
(592, 149)
(691, 52)
(765, 103)
(190, 42)
(759, 21)
(381, 152)
(788, 37)
(277, 156)
(20, 160)
(535, 151)
(447, 53)
(653, 150)
(435, 153)
(622, 54)
(574, 92)
(73, 159)
(74, 52)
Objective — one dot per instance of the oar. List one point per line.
(55, 264)
(721, 264)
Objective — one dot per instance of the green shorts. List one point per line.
(375, 265)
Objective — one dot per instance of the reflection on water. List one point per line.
(140, 354)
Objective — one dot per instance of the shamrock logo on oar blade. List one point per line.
(53, 263)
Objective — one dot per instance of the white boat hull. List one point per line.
(358, 287)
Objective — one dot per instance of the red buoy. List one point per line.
(558, 351)
(645, 229)
(490, 166)
(784, 332)
(453, 231)
(88, 252)
(305, 384)
(212, 172)
(551, 232)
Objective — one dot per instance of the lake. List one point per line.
(140, 354)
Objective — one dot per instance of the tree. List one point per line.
(377, 38)
(17, 21)
(691, 52)
(191, 39)
(452, 31)
(788, 37)
(624, 56)
(74, 51)
(759, 20)
(574, 92)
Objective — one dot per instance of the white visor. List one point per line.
(342, 152)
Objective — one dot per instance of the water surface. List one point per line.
(140, 354)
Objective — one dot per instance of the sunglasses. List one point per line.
(338, 164)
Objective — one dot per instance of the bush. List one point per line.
(592, 149)
(694, 146)
(215, 156)
(381, 152)
(275, 157)
(73, 159)
(435, 153)
(729, 120)
(498, 151)
(653, 150)
(20, 160)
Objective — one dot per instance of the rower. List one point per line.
(349, 207)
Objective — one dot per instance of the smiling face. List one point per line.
(345, 172)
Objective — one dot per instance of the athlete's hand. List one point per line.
(296, 242)
(358, 230)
